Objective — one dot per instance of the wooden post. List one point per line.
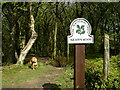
(79, 66)
(106, 61)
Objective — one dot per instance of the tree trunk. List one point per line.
(68, 52)
(55, 39)
(17, 44)
(106, 62)
(11, 55)
(31, 41)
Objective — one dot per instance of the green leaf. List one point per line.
(83, 32)
(82, 27)
(78, 26)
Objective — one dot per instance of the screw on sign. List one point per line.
(80, 30)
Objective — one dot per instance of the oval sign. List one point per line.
(80, 30)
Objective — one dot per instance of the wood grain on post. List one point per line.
(80, 66)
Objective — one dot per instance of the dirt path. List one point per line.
(42, 81)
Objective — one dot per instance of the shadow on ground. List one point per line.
(51, 86)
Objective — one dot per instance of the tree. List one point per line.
(106, 61)
(31, 41)
(51, 23)
(10, 11)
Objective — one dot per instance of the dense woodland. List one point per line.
(52, 21)
(40, 29)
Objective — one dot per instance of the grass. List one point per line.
(65, 79)
(16, 74)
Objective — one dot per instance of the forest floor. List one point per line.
(24, 77)
(45, 81)
(47, 76)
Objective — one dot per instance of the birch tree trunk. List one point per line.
(31, 41)
(106, 62)
(55, 40)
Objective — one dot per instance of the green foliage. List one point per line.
(94, 73)
(114, 74)
(103, 17)
(92, 56)
(115, 60)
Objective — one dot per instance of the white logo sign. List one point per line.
(80, 30)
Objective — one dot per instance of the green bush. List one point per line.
(94, 73)
(115, 60)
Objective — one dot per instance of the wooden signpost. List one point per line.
(79, 66)
(80, 30)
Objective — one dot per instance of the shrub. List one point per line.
(94, 73)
